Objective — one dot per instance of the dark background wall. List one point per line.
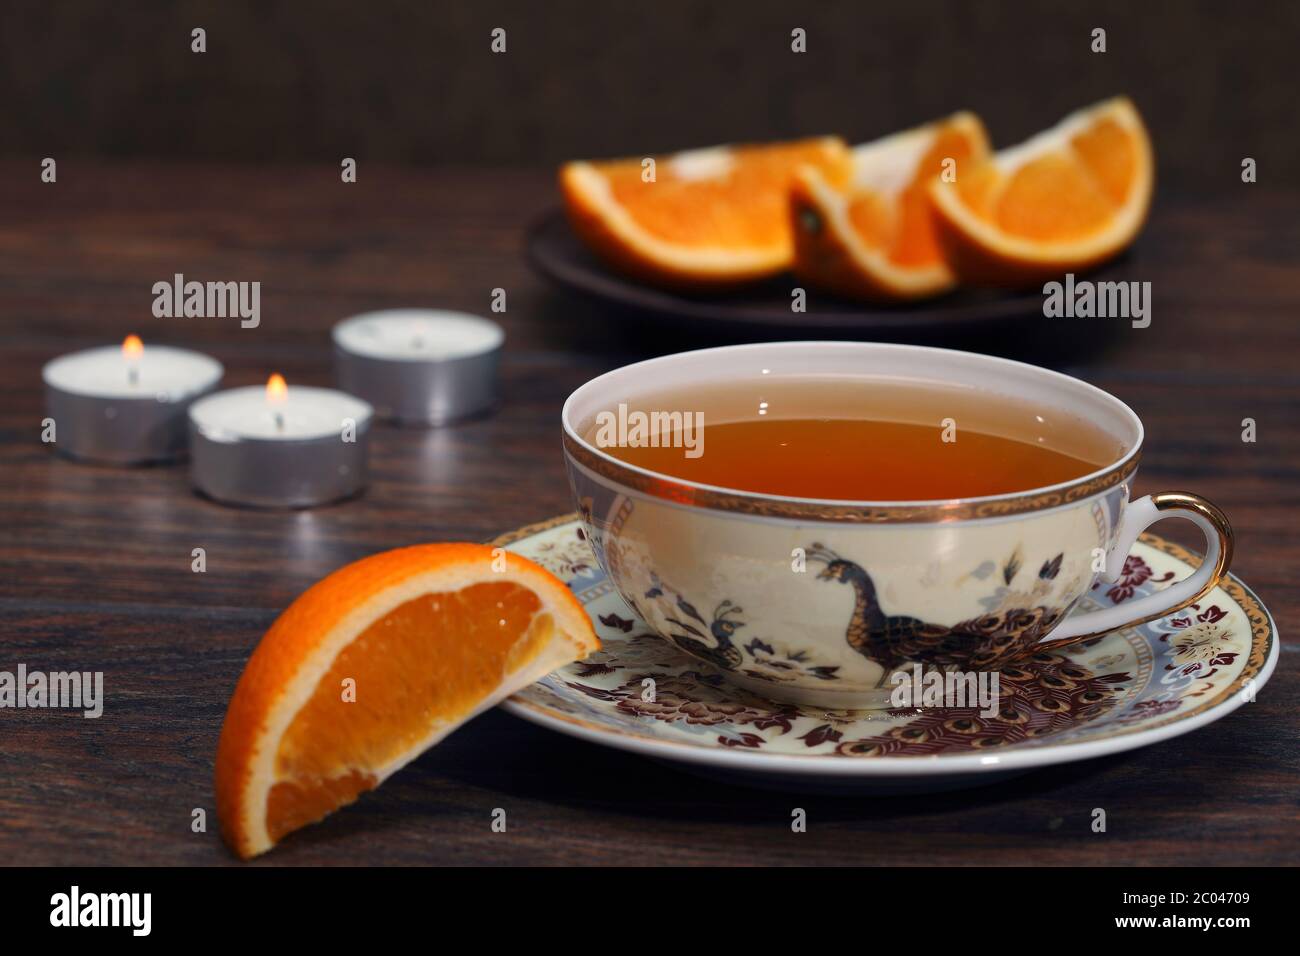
(292, 81)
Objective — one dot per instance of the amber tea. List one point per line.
(853, 439)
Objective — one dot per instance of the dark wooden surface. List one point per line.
(95, 562)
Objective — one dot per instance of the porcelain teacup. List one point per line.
(818, 601)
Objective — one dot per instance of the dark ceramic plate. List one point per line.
(558, 254)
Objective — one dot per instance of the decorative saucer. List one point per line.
(1133, 687)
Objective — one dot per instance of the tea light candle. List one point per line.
(419, 366)
(279, 447)
(126, 405)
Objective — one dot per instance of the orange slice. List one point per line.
(710, 217)
(1064, 201)
(372, 666)
(874, 239)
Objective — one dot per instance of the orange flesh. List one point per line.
(979, 189)
(1059, 196)
(744, 207)
(906, 231)
(1107, 149)
(873, 219)
(427, 663)
(1053, 197)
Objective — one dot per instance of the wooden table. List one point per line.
(95, 563)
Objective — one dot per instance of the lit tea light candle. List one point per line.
(420, 366)
(279, 447)
(125, 405)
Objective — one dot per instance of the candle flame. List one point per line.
(276, 389)
(132, 348)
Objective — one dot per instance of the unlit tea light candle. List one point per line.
(420, 366)
(279, 446)
(125, 405)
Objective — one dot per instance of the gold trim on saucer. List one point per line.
(660, 486)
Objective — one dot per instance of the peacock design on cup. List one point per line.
(723, 652)
(892, 640)
(715, 641)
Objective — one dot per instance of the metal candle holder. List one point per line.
(108, 424)
(237, 464)
(419, 366)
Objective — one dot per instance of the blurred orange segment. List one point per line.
(712, 216)
(873, 237)
(1066, 200)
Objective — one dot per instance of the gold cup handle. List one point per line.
(1138, 516)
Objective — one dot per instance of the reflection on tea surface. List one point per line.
(854, 439)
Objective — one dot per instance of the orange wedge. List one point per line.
(710, 217)
(874, 239)
(372, 666)
(1064, 201)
